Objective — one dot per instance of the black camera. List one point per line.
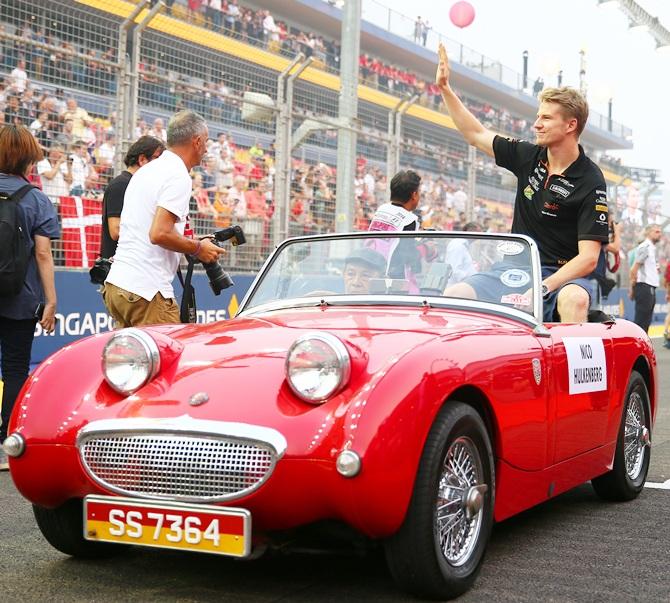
(100, 270)
(218, 277)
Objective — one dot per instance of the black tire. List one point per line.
(414, 554)
(626, 480)
(63, 528)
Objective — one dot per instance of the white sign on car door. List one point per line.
(587, 368)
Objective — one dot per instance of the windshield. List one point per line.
(497, 269)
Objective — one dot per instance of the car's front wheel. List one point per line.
(438, 550)
(63, 528)
(633, 448)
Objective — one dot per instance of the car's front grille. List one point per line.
(189, 467)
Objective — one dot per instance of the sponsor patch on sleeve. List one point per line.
(587, 368)
(600, 207)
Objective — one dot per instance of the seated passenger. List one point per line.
(459, 258)
(360, 267)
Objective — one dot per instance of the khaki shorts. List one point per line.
(131, 310)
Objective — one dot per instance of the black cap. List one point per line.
(370, 257)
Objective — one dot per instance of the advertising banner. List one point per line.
(82, 313)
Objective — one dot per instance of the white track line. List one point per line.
(662, 486)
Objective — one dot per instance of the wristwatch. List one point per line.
(545, 290)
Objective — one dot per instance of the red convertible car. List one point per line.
(355, 389)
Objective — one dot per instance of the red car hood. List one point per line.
(376, 334)
(239, 365)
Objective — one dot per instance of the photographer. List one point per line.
(138, 289)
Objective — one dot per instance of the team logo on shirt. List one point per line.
(601, 207)
(563, 192)
(550, 209)
(566, 182)
(532, 180)
(528, 192)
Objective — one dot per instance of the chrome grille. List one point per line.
(188, 467)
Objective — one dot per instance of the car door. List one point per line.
(581, 373)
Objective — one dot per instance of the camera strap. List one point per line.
(187, 310)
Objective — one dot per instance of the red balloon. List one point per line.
(462, 14)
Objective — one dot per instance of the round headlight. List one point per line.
(130, 359)
(317, 366)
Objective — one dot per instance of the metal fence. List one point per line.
(100, 73)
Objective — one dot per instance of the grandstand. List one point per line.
(193, 56)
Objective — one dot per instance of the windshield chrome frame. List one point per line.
(403, 300)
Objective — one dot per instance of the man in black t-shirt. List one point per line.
(561, 198)
(142, 151)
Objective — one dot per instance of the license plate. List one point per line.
(188, 527)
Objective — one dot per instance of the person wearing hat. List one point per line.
(360, 266)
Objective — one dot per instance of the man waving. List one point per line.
(560, 199)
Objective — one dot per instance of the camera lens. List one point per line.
(218, 277)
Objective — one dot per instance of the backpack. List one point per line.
(14, 249)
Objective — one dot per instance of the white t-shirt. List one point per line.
(161, 135)
(56, 187)
(140, 266)
(79, 171)
(646, 257)
(224, 172)
(106, 153)
(270, 27)
(389, 217)
(19, 79)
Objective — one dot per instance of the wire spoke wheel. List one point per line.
(636, 436)
(633, 449)
(456, 526)
(439, 548)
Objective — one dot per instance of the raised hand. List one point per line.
(442, 74)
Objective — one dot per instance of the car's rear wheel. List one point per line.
(633, 450)
(63, 528)
(439, 549)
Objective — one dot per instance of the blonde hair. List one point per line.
(572, 103)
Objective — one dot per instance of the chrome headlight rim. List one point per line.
(150, 348)
(343, 361)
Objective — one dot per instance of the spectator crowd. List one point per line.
(235, 183)
(260, 28)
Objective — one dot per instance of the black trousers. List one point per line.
(16, 342)
(645, 300)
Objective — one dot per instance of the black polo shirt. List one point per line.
(112, 204)
(559, 210)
